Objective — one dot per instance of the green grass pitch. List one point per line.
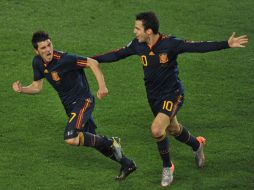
(218, 105)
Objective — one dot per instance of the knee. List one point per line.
(73, 141)
(156, 130)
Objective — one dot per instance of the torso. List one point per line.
(66, 78)
(160, 67)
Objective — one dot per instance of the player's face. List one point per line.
(140, 32)
(45, 50)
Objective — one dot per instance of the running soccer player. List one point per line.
(65, 73)
(165, 93)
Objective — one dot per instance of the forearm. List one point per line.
(33, 88)
(202, 47)
(108, 57)
(98, 74)
(114, 55)
(30, 89)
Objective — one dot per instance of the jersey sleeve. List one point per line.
(182, 46)
(117, 54)
(81, 62)
(38, 75)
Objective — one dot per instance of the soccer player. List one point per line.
(65, 73)
(158, 54)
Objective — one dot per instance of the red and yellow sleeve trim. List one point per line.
(82, 63)
(56, 55)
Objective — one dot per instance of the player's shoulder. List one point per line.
(63, 56)
(168, 37)
(72, 58)
(37, 60)
(134, 42)
(58, 54)
(170, 40)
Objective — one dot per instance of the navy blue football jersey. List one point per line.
(160, 61)
(65, 73)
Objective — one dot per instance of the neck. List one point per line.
(153, 39)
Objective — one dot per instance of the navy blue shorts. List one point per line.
(80, 119)
(168, 105)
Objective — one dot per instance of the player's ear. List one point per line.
(149, 31)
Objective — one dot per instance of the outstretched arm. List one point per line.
(94, 65)
(33, 88)
(117, 54)
(203, 47)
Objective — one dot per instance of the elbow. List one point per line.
(37, 90)
(33, 91)
(36, 86)
(92, 62)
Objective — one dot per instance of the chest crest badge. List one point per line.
(55, 76)
(163, 58)
(46, 71)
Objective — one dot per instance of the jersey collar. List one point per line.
(56, 57)
(159, 39)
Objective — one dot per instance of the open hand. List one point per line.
(237, 41)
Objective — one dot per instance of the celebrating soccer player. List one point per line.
(65, 73)
(158, 54)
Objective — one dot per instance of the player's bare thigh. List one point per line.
(160, 124)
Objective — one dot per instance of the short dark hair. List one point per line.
(39, 36)
(149, 20)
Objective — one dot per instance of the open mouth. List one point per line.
(49, 56)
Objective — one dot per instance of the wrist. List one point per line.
(228, 44)
(102, 86)
(20, 91)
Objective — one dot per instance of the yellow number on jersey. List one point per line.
(144, 60)
(167, 105)
(73, 114)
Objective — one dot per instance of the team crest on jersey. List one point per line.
(55, 76)
(46, 71)
(163, 58)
